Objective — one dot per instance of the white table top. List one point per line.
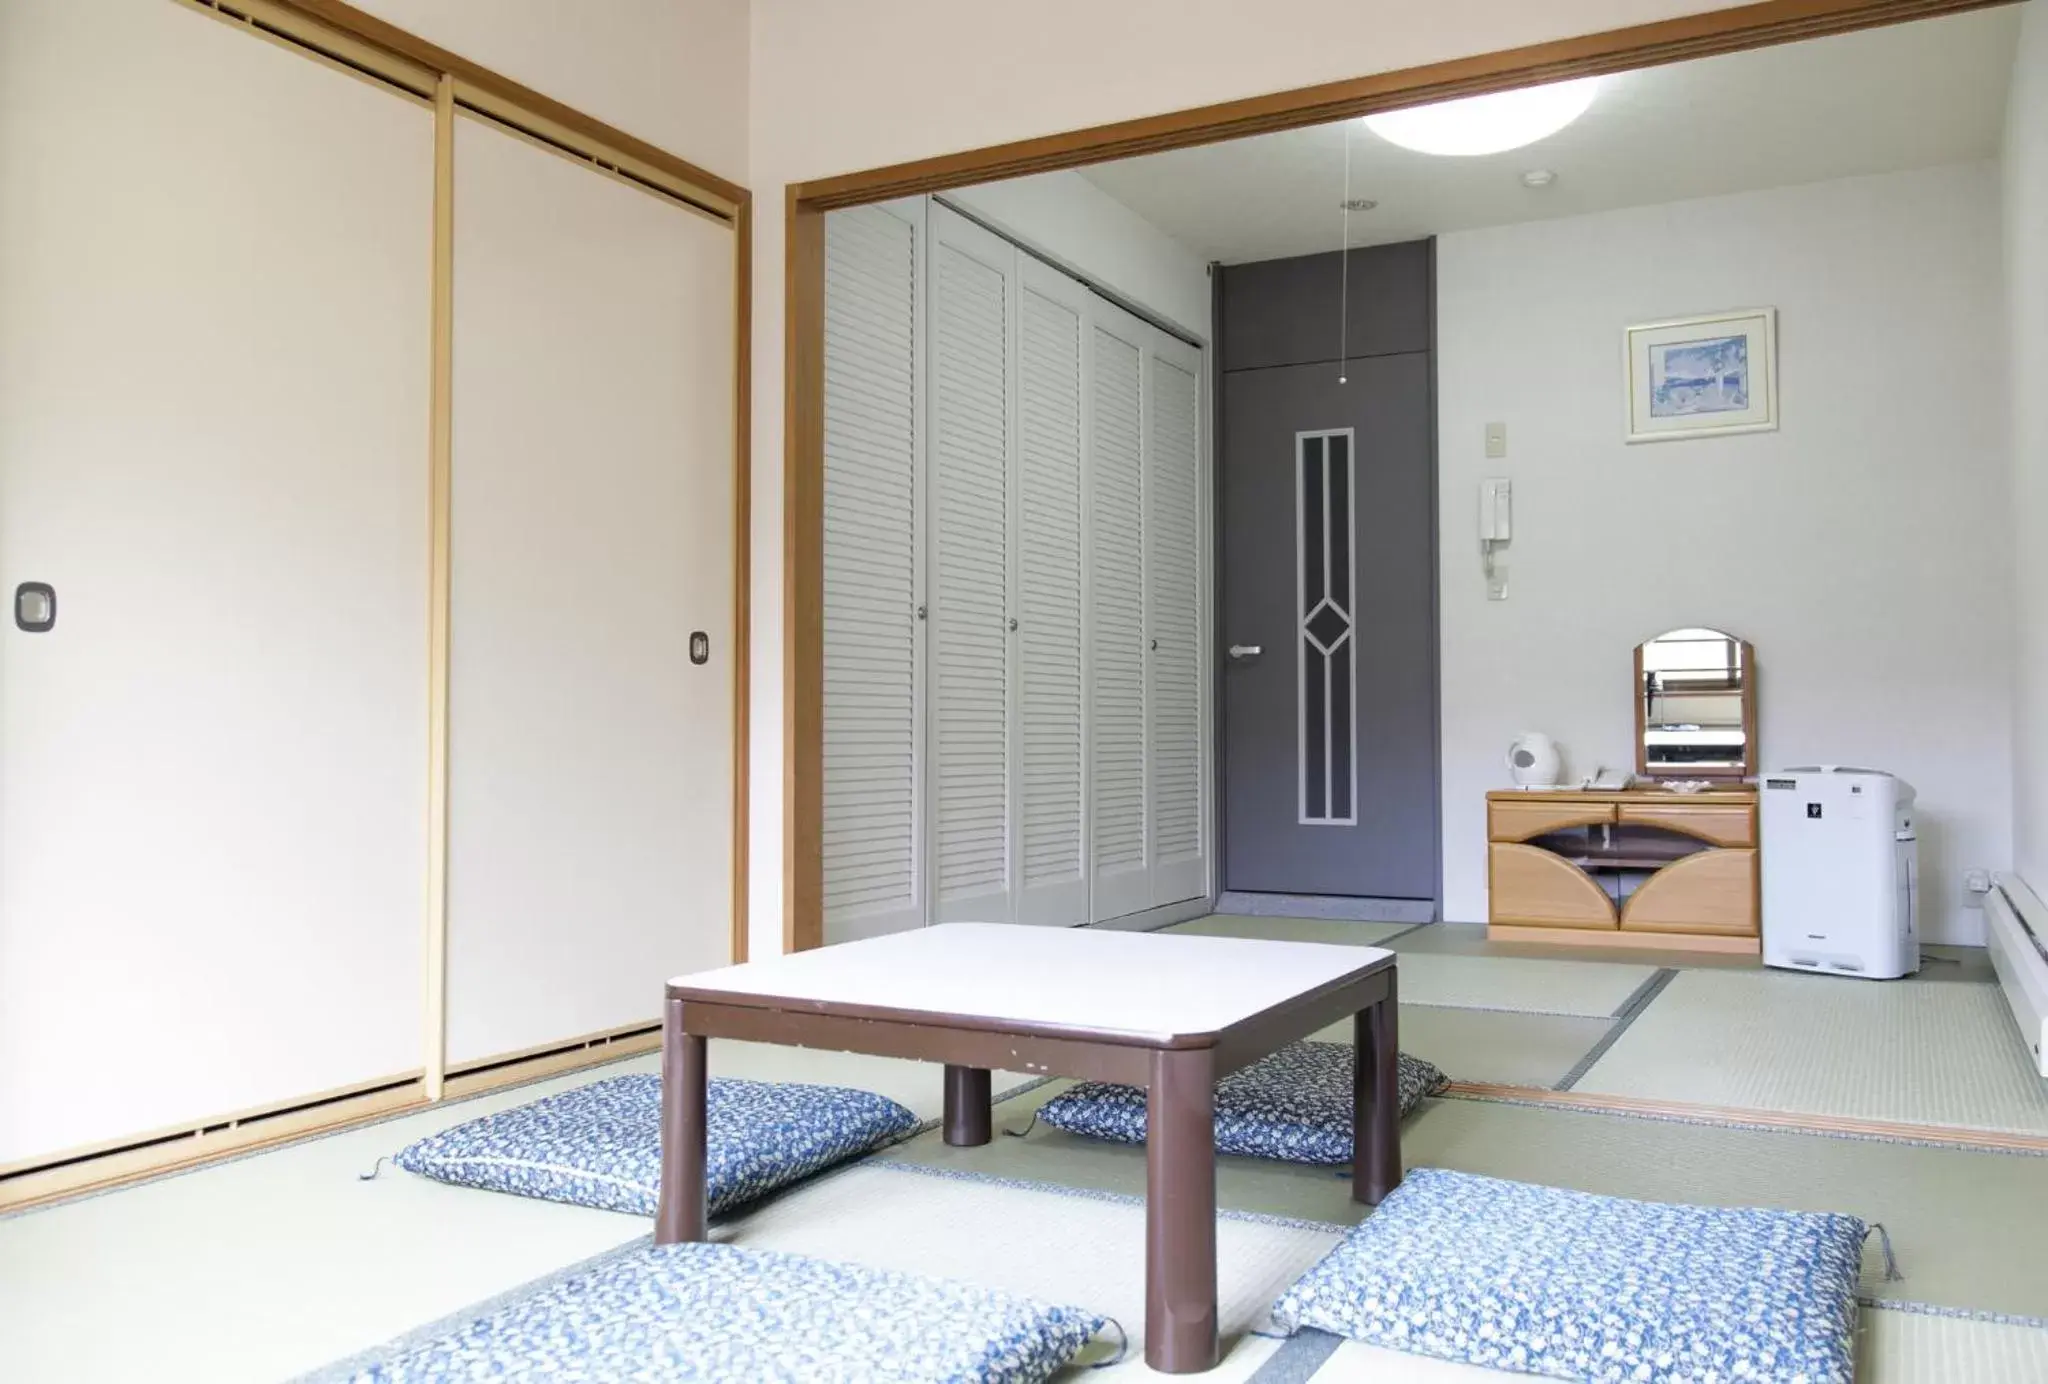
(1147, 985)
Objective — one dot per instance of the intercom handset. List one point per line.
(1496, 526)
(1496, 510)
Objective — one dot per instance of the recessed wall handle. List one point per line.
(35, 606)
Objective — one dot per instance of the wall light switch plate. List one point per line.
(1496, 440)
(1497, 584)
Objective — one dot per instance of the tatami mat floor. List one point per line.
(1492, 1045)
(1928, 1054)
(1965, 1224)
(1936, 1049)
(266, 1266)
(282, 1262)
(1942, 963)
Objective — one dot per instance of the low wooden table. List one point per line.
(1172, 1014)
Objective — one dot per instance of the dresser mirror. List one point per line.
(1695, 706)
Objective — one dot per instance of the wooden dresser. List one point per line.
(1636, 868)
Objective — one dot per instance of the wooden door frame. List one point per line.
(803, 563)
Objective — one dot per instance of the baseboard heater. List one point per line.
(2016, 928)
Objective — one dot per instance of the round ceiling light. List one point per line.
(1487, 124)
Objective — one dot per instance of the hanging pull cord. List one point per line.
(1344, 271)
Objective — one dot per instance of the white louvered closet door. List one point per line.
(1118, 747)
(971, 279)
(1048, 748)
(874, 642)
(1176, 691)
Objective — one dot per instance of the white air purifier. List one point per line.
(1841, 872)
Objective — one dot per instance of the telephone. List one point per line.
(1608, 780)
(1496, 526)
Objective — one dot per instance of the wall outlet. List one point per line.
(1978, 881)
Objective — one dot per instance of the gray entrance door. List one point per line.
(1327, 519)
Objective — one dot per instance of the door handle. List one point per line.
(1245, 651)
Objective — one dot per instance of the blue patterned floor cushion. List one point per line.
(1573, 1286)
(600, 1145)
(1294, 1105)
(722, 1312)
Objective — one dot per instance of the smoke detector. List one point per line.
(1538, 177)
(1357, 204)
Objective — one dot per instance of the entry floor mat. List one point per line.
(1488, 1045)
(1049, 1242)
(1341, 931)
(1891, 1348)
(1818, 1045)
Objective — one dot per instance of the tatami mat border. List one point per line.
(1503, 1009)
(1964, 1314)
(1770, 1121)
(1299, 1359)
(1631, 1009)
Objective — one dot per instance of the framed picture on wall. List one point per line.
(1700, 376)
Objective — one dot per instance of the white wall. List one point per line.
(1069, 220)
(673, 72)
(836, 88)
(2026, 269)
(1859, 547)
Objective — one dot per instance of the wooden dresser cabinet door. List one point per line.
(1533, 888)
(1713, 891)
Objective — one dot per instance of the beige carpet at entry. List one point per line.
(1819, 1045)
(1585, 989)
(1891, 1348)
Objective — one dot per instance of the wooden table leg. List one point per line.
(1180, 1211)
(685, 1081)
(968, 1118)
(1376, 1099)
